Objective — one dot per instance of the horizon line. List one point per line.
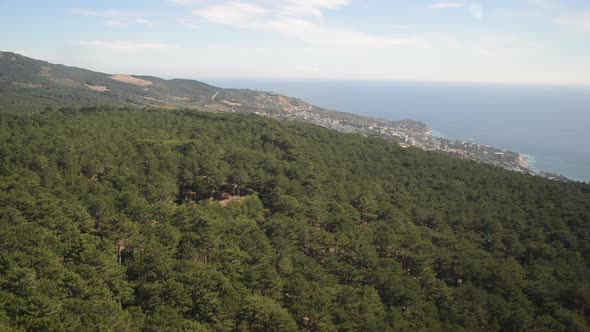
(205, 79)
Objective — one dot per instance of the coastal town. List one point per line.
(407, 133)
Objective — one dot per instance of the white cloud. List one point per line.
(125, 46)
(187, 23)
(97, 13)
(562, 14)
(310, 7)
(309, 69)
(286, 7)
(299, 19)
(446, 5)
(238, 49)
(187, 2)
(233, 13)
(545, 4)
(505, 47)
(578, 20)
(114, 17)
(520, 12)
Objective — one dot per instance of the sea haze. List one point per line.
(551, 125)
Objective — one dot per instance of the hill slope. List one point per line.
(28, 85)
(146, 220)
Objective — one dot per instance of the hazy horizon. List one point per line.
(470, 41)
(213, 79)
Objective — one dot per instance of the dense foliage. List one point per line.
(131, 220)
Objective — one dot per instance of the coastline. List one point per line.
(529, 161)
(528, 116)
(525, 163)
(437, 133)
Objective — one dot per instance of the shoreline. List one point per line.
(529, 161)
(521, 162)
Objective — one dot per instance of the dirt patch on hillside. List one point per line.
(130, 80)
(231, 104)
(230, 199)
(152, 99)
(98, 88)
(45, 71)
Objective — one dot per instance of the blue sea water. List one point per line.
(548, 124)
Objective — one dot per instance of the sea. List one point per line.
(549, 125)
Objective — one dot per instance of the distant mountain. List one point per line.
(30, 85)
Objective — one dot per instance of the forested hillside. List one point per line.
(160, 220)
(30, 85)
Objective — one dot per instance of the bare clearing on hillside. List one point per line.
(130, 80)
(231, 104)
(152, 99)
(68, 82)
(98, 88)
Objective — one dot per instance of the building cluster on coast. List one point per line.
(409, 133)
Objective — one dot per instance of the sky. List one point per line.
(502, 41)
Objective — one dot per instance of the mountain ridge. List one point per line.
(31, 74)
